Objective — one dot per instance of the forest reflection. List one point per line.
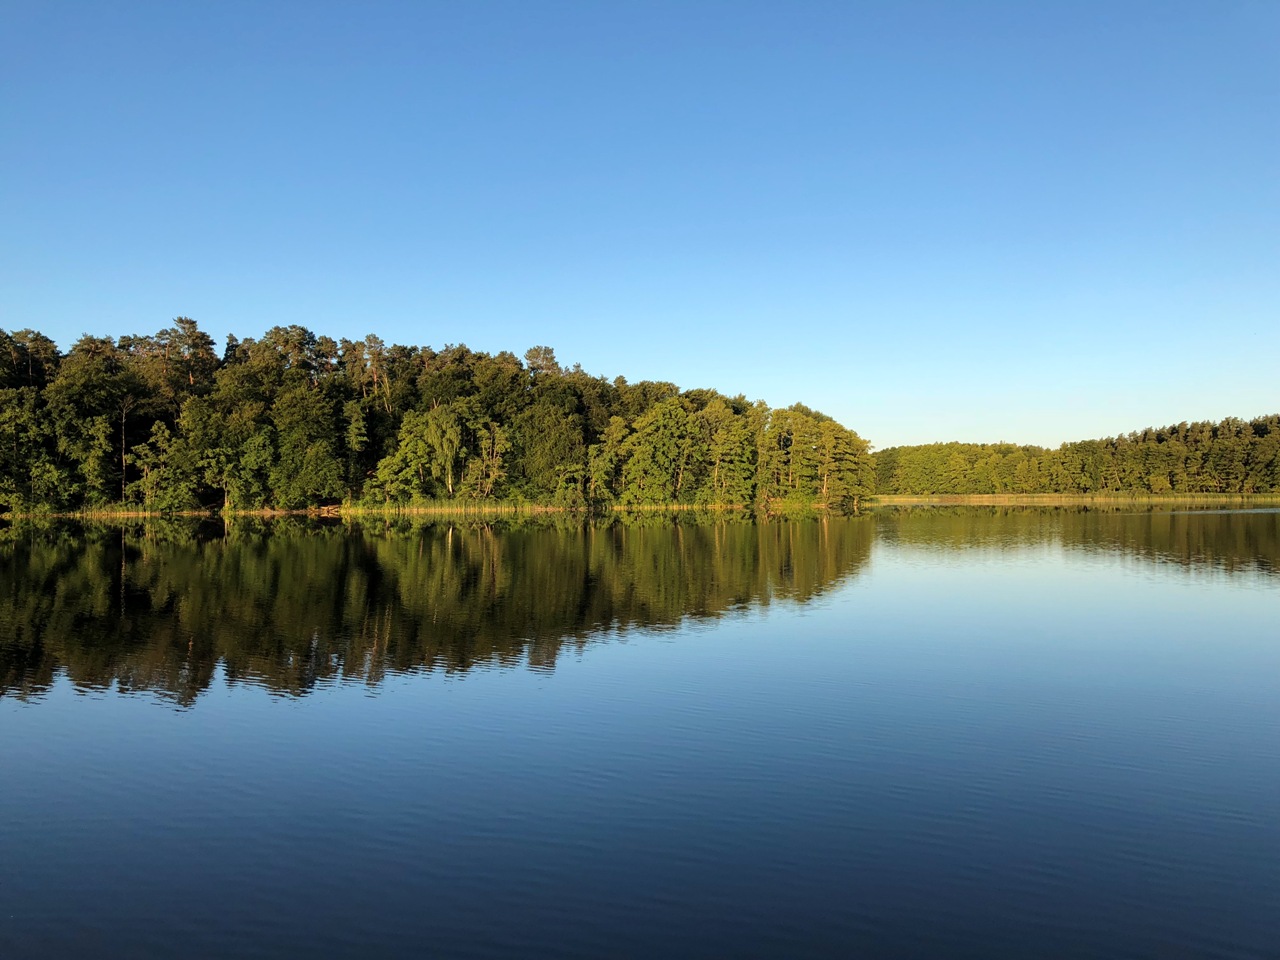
(1232, 541)
(164, 607)
(289, 604)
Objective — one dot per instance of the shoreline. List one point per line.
(1065, 499)
(340, 512)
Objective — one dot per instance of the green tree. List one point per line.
(659, 456)
(729, 477)
(168, 477)
(307, 468)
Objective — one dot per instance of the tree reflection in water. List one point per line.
(288, 604)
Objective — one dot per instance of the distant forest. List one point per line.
(293, 420)
(1234, 456)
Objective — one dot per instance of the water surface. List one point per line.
(957, 732)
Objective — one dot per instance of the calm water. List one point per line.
(929, 733)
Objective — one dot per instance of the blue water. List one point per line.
(956, 745)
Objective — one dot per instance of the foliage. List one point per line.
(1233, 456)
(293, 420)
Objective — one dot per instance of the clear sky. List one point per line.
(1027, 221)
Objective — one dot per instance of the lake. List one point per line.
(930, 732)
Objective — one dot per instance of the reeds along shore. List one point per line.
(447, 509)
(1057, 499)
(442, 508)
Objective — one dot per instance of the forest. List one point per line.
(1230, 457)
(163, 423)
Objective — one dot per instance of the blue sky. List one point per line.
(977, 221)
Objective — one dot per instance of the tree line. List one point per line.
(292, 420)
(1232, 456)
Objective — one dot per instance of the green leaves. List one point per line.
(294, 420)
(1232, 456)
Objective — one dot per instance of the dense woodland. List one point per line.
(164, 423)
(1233, 456)
(292, 420)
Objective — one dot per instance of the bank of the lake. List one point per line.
(440, 508)
(1083, 499)
(446, 509)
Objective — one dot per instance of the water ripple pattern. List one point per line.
(979, 734)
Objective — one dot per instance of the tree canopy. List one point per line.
(1232, 456)
(292, 420)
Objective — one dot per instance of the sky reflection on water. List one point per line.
(946, 734)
